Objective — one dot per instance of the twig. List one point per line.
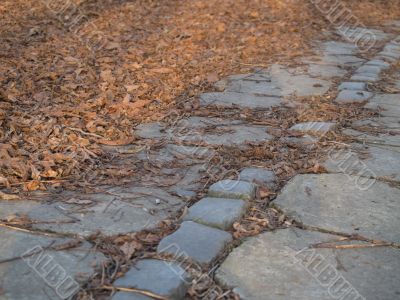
(133, 290)
(85, 133)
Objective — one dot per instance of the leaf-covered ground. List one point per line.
(60, 100)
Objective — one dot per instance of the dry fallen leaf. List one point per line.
(4, 196)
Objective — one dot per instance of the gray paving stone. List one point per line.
(258, 176)
(392, 48)
(48, 274)
(343, 203)
(369, 69)
(327, 71)
(388, 104)
(369, 160)
(380, 63)
(317, 128)
(354, 86)
(365, 77)
(306, 141)
(129, 296)
(358, 34)
(135, 210)
(388, 57)
(350, 96)
(201, 243)
(283, 265)
(229, 99)
(379, 139)
(149, 131)
(217, 212)
(283, 82)
(390, 54)
(391, 124)
(235, 189)
(333, 47)
(163, 278)
(339, 60)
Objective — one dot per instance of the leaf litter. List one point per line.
(61, 103)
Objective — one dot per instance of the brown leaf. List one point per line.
(4, 196)
(120, 142)
(129, 248)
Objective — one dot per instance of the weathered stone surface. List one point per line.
(354, 86)
(317, 128)
(339, 60)
(344, 203)
(201, 243)
(282, 265)
(306, 141)
(239, 99)
(150, 131)
(333, 47)
(258, 176)
(374, 162)
(350, 96)
(380, 63)
(362, 35)
(163, 278)
(124, 210)
(390, 54)
(369, 69)
(212, 131)
(217, 212)
(129, 296)
(391, 124)
(388, 104)
(235, 189)
(283, 82)
(388, 57)
(380, 139)
(323, 70)
(365, 77)
(48, 274)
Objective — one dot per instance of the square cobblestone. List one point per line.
(217, 212)
(163, 278)
(232, 189)
(201, 243)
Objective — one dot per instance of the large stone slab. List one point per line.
(38, 271)
(391, 124)
(120, 210)
(338, 60)
(340, 203)
(283, 82)
(354, 86)
(326, 71)
(229, 99)
(316, 128)
(283, 265)
(217, 212)
(387, 104)
(167, 279)
(379, 139)
(339, 48)
(201, 243)
(368, 161)
(352, 96)
(236, 189)
(212, 131)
